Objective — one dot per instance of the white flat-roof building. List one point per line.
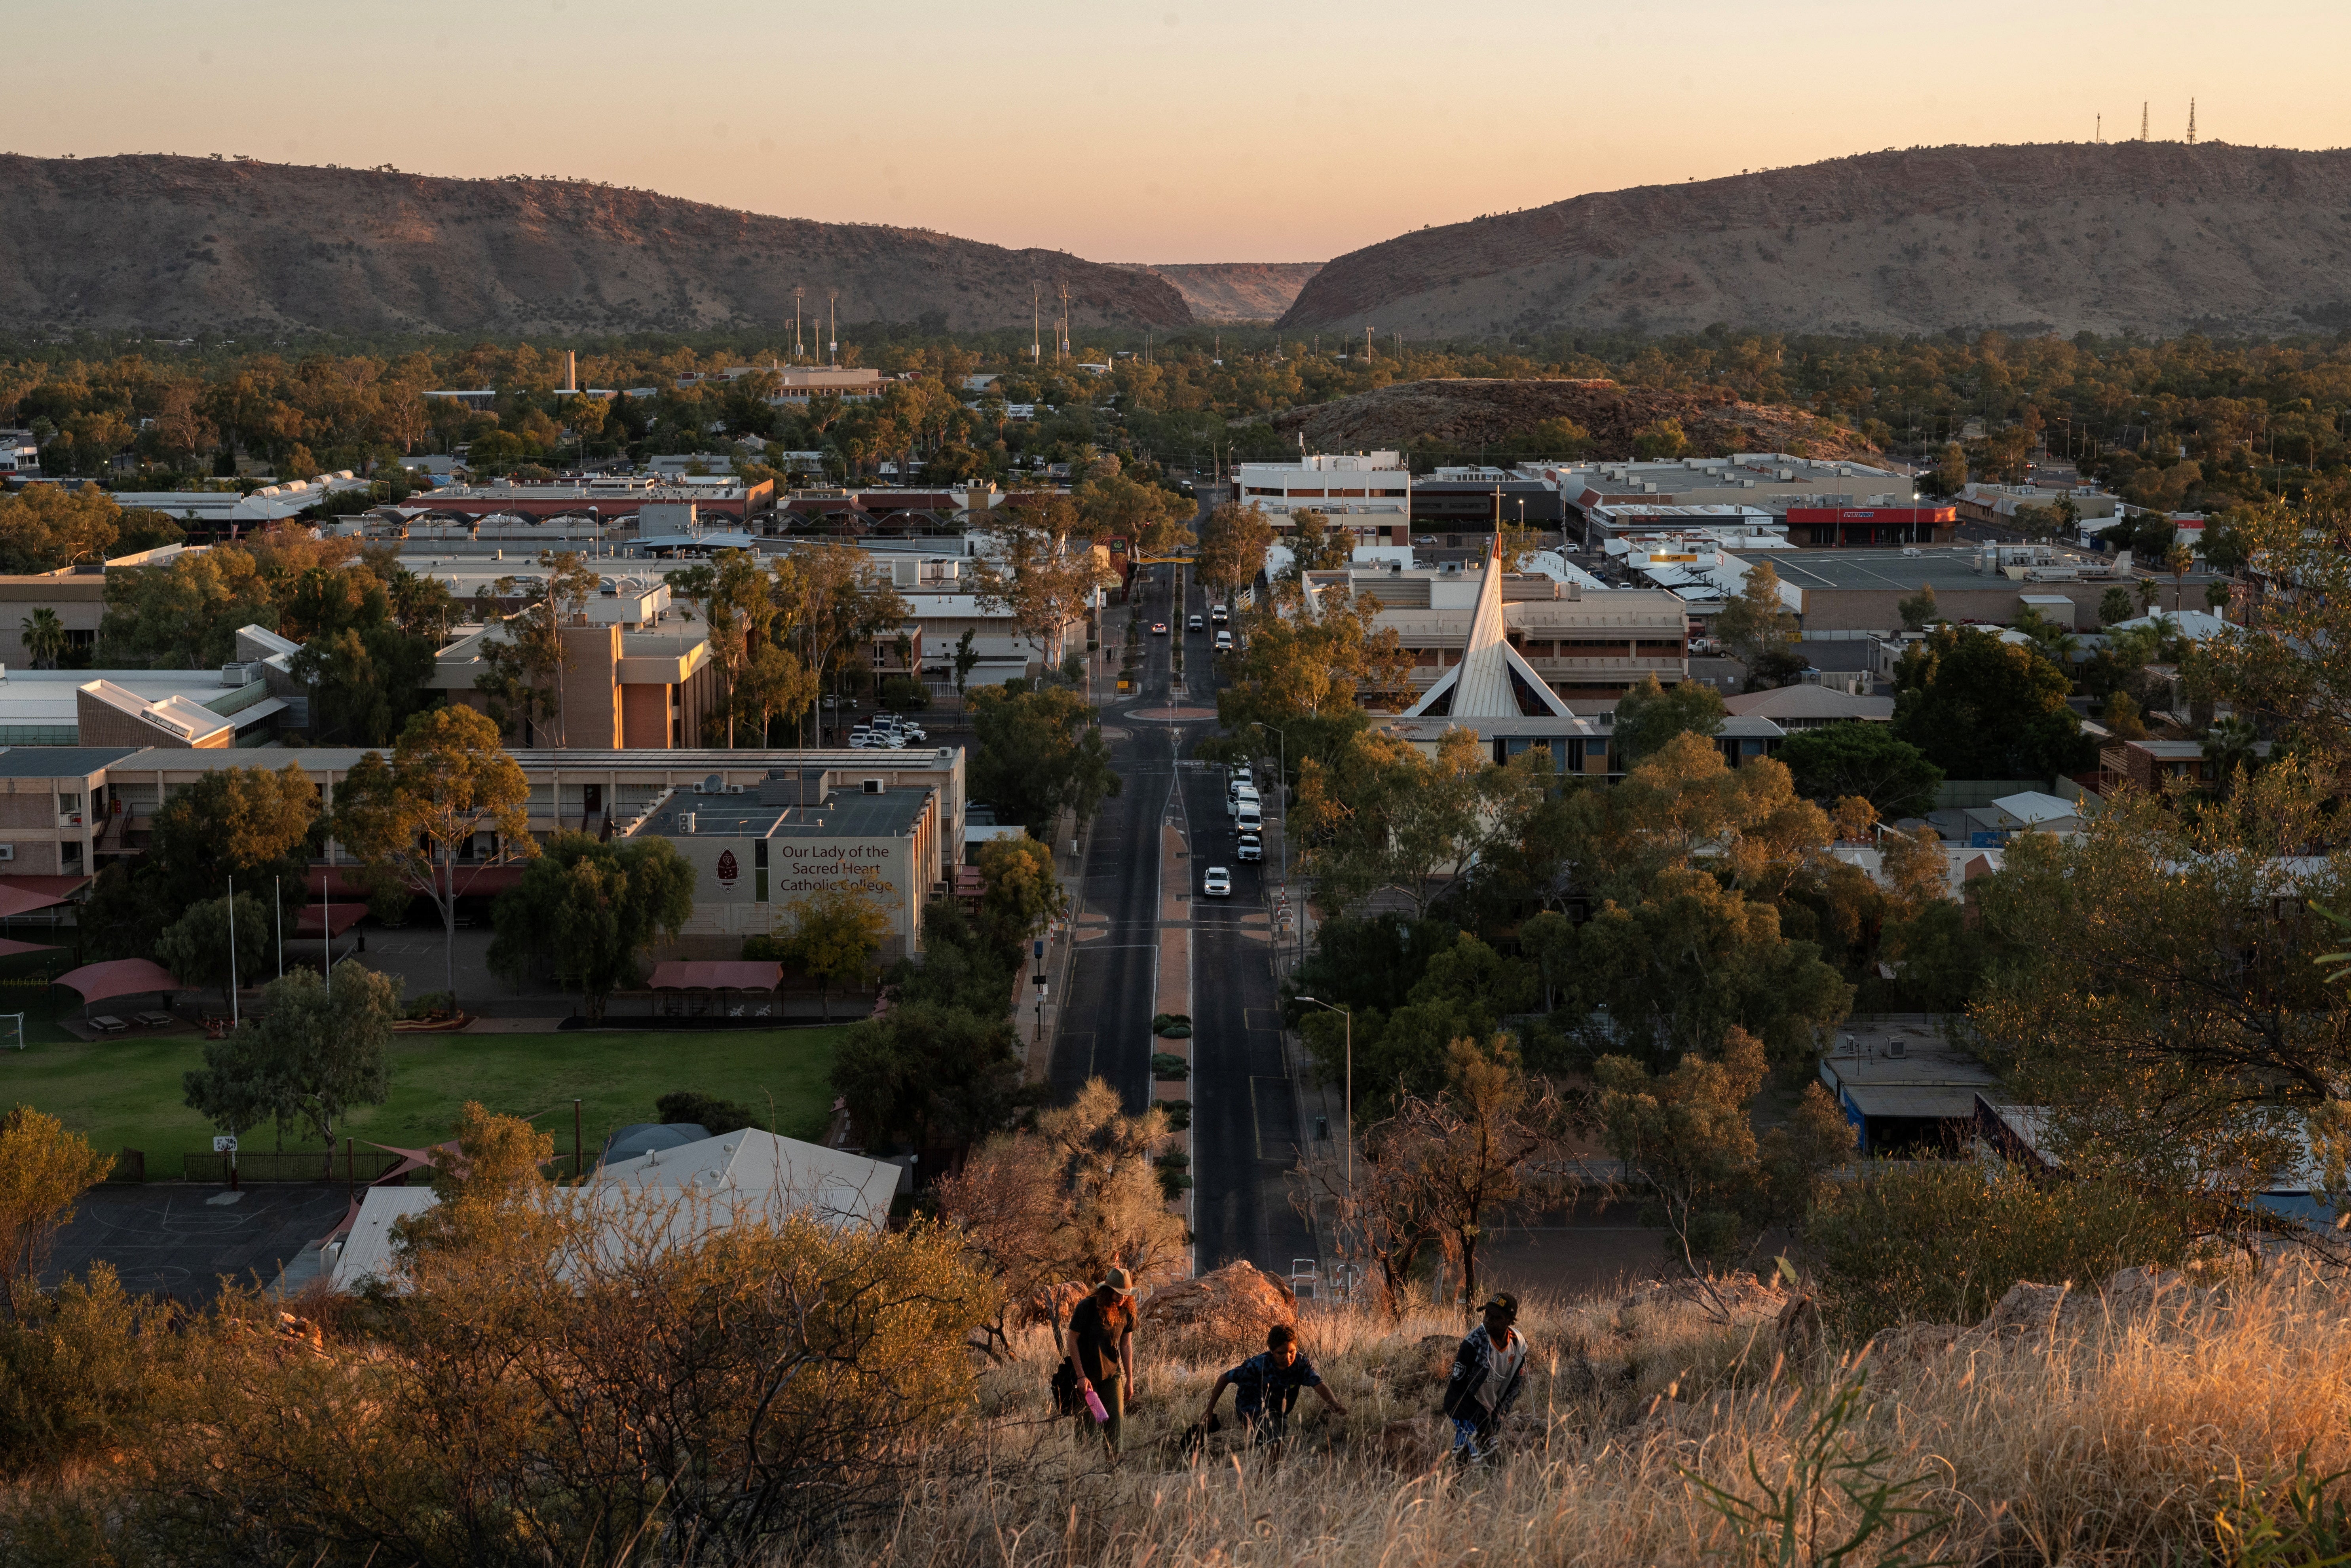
(1367, 493)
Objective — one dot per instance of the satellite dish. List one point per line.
(714, 784)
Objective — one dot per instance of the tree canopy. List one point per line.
(1978, 707)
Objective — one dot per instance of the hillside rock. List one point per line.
(178, 246)
(1463, 414)
(2147, 236)
(1228, 1308)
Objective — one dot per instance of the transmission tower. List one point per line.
(2142, 120)
(2192, 122)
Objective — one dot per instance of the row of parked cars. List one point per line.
(1246, 808)
(886, 732)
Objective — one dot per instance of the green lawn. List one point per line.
(126, 1093)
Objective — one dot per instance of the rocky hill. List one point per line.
(1235, 290)
(1462, 415)
(173, 245)
(2151, 236)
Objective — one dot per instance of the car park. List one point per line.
(1252, 848)
(1217, 884)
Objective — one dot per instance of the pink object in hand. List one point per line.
(1094, 1404)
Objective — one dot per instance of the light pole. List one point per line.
(1348, 1110)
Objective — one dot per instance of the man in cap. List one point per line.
(1101, 1350)
(1485, 1376)
(1267, 1387)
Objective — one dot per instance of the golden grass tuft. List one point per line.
(2114, 1439)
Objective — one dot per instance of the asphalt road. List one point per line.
(1105, 1028)
(1245, 1120)
(1245, 1132)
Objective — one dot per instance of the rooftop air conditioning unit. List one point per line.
(734, 788)
(7, 852)
(685, 824)
(1896, 1048)
(873, 785)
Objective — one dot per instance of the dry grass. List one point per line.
(2113, 1440)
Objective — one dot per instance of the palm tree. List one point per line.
(2228, 745)
(45, 638)
(2177, 561)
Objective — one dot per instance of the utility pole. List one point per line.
(797, 347)
(1062, 346)
(832, 323)
(1036, 323)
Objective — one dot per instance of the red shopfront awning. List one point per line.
(719, 975)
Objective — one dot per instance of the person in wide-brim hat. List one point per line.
(1100, 1349)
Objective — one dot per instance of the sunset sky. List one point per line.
(1176, 131)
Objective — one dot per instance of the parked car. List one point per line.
(861, 737)
(1195, 624)
(1252, 848)
(1424, 538)
(1217, 884)
(1246, 795)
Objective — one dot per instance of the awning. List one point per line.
(15, 900)
(313, 921)
(119, 977)
(722, 975)
(1920, 1102)
(341, 883)
(58, 886)
(16, 949)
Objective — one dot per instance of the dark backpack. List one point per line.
(1066, 1400)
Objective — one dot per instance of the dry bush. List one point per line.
(2113, 1434)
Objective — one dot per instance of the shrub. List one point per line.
(1169, 1068)
(1172, 1026)
(430, 1003)
(1943, 1241)
(1179, 1114)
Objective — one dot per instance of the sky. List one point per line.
(1174, 131)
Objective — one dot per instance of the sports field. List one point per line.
(126, 1093)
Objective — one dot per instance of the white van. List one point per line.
(1246, 796)
(1248, 819)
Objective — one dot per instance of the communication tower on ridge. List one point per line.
(2142, 120)
(2192, 122)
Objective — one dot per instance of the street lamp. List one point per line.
(1349, 1109)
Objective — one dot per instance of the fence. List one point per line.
(306, 1164)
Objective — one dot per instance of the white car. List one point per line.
(1217, 884)
(1224, 641)
(1244, 796)
(1252, 848)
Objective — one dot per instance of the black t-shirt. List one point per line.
(1096, 1333)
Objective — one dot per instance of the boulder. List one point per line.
(1229, 1307)
(2032, 1308)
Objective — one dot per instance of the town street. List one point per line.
(1245, 1120)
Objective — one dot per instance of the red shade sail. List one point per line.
(723, 974)
(119, 977)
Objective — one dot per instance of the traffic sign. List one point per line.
(224, 1143)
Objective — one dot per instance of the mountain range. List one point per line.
(175, 246)
(2154, 237)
